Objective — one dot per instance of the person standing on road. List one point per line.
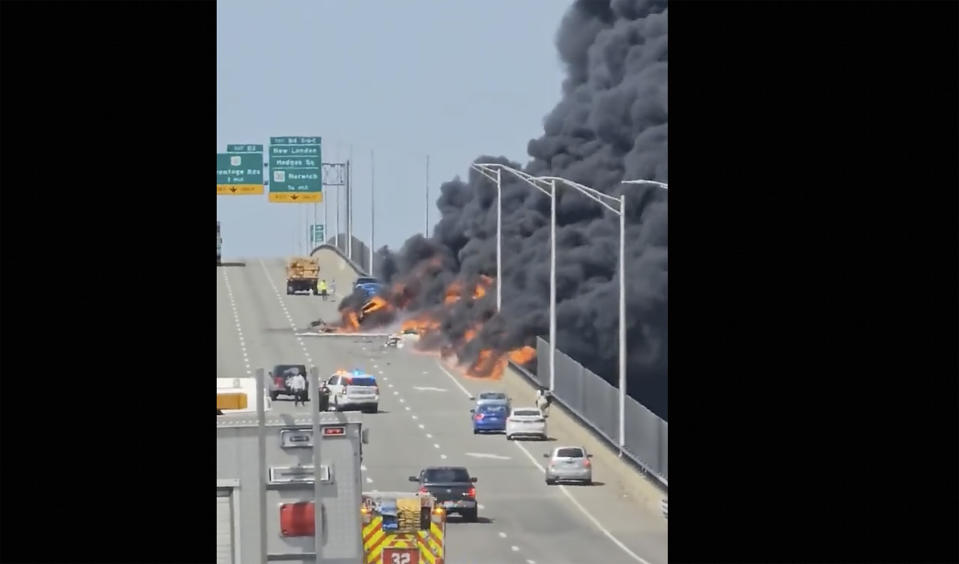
(298, 387)
(543, 399)
(323, 289)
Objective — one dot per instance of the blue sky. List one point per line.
(451, 79)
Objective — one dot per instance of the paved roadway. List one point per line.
(424, 420)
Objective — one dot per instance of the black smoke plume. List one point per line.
(610, 125)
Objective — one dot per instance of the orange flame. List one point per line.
(421, 324)
(522, 355)
(453, 293)
(375, 304)
(488, 365)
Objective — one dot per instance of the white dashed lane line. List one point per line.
(286, 312)
(236, 323)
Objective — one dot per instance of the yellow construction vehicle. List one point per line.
(302, 275)
(403, 528)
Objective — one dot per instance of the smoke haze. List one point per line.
(610, 125)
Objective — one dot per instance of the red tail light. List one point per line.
(471, 492)
(376, 390)
(586, 462)
(423, 490)
(478, 417)
(278, 381)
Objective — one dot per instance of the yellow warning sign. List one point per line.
(296, 197)
(239, 189)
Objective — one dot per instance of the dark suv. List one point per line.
(452, 487)
(279, 383)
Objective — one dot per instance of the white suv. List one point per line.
(354, 391)
(526, 422)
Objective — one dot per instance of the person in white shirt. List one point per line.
(298, 386)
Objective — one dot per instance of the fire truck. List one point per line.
(403, 528)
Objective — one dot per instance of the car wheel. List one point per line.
(550, 481)
(375, 408)
(509, 437)
(274, 395)
(470, 516)
(588, 482)
(476, 431)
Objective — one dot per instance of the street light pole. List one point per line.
(493, 171)
(552, 286)
(372, 208)
(499, 240)
(622, 323)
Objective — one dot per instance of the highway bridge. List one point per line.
(424, 420)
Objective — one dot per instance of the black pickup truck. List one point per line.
(452, 487)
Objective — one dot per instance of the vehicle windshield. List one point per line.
(363, 381)
(366, 281)
(446, 475)
(492, 408)
(492, 396)
(526, 412)
(569, 453)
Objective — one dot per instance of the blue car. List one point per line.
(370, 286)
(489, 417)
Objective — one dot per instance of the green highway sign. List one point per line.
(296, 169)
(239, 173)
(244, 148)
(318, 234)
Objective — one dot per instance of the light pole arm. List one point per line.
(528, 178)
(662, 185)
(591, 193)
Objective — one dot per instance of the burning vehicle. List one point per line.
(432, 328)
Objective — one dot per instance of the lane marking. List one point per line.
(236, 323)
(486, 455)
(436, 445)
(502, 535)
(585, 512)
(480, 506)
(455, 381)
(443, 456)
(429, 436)
(563, 489)
(530, 562)
(429, 389)
(389, 385)
(421, 426)
(514, 548)
(279, 298)
(402, 400)
(415, 417)
(369, 480)
(406, 407)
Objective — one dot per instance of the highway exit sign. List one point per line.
(239, 171)
(296, 170)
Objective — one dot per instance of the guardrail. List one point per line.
(581, 418)
(359, 269)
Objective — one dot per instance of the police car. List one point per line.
(351, 391)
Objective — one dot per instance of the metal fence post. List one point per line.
(261, 456)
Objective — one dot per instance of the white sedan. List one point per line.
(526, 422)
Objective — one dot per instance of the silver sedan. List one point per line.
(569, 463)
